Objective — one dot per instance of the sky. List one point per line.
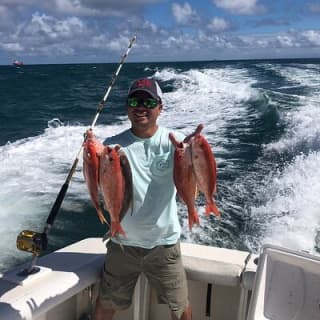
(98, 31)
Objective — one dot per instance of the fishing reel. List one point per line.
(31, 241)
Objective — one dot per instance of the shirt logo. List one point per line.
(161, 165)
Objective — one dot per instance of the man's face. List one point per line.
(141, 117)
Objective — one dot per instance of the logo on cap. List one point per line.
(144, 83)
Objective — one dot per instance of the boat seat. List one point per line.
(218, 266)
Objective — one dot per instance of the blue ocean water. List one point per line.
(261, 117)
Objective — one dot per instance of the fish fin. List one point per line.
(173, 140)
(116, 228)
(99, 153)
(196, 193)
(193, 218)
(179, 196)
(197, 132)
(211, 207)
(102, 217)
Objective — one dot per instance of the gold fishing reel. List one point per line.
(31, 241)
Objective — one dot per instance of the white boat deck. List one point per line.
(69, 276)
(220, 286)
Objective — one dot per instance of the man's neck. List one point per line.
(144, 133)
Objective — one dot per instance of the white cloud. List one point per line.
(286, 41)
(263, 43)
(184, 14)
(49, 27)
(241, 7)
(66, 30)
(218, 25)
(312, 36)
(46, 35)
(104, 42)
(150, 26)
(12, 47)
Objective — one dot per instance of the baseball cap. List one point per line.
(148, 85)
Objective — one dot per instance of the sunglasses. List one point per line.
(149, 103)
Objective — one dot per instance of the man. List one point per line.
(152, 229)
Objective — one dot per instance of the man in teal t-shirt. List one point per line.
(152, 228)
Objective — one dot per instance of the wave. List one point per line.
(262, 123)
(33, 171)
(289, 215)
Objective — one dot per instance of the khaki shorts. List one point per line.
(162, 266)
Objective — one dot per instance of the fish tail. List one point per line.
(193, 218)
(116, 228)
(211, 207)
(101, 217)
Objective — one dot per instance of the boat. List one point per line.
(17, 63)
(224, 284)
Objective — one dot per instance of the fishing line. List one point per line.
(36, 242)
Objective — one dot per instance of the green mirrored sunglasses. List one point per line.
(149, 103)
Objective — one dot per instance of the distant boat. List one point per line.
(17, 63)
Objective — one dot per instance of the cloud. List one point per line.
(93, 8)
(103, 42)
(286, 41)
(13, 4)
(81, 8)
(11, 47)
(99, 31)
(271, 22)
(184, 14)
(46, 35)
(241, 7)
(5, 17)
(100, 7)
(314, 7)
(312, 36)
(43, 26)
(218, 25)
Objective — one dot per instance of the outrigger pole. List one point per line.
(36, 242)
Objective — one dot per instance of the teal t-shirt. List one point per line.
(153, 219)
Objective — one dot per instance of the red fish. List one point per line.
(128, 193)
(92, 148)
(185, 179)
(205, 169)
(114, 186)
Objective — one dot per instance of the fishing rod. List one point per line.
(35, 242)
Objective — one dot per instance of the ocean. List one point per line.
(261, 117)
